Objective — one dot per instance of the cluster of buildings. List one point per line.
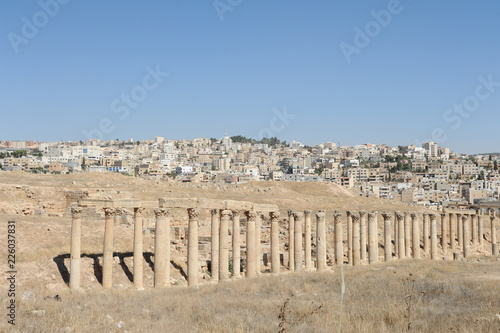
(427, 175)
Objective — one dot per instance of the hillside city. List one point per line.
(429, 175)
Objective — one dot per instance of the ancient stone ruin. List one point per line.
(460, 231)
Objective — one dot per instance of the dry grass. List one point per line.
(458, 297)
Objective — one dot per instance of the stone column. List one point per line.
(401, 234)
(258, 235)
(387, 236)
(415, 236)
(107, 260)
(307, 240)
(362, 236)
(224, 245)
(349, 237)
(460, 228)
(444, 244)
(356, 257)
(250, 269)
(214, 256)
(396, 236)
(299, 219)
(275, 242)
(291, 248)
(426, 232)
(473, 218)
(480, 232)
(466, 240)
(75, 252)
(453, 231)
(434, 241)
(193, 264)
(339, 248)
(372, 238)
(236, 244)
(320, 241)
(407, 235)
(138, 249)
(161, 248)
(494, 245)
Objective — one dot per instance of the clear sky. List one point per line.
(313, 71)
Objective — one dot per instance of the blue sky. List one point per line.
(240, 65)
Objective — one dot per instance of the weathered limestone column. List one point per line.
(473, 218)
(250, 269)
(396, 236)
(356, 257)
(299, 218)
(466, 240)
(444, 244)
(387, 236)
(372, 238)
(426, 232)
(401, 234)
(349, 237)
(494, 245)
(460, 235)
(291, 247)
(138, 249)
(362, 237)
(258, 235)
(236, 244)
(320, 241)
(224, 245)
(339, 248)
(407, 235)
(75, 252)
(453, 231)
(480, 232)
(434, 241)
(214, 256)
(275, 242)
(307, 240)
(193, 264)
(415, 236)
(161, 248)
(107, 253)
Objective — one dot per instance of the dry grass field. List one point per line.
(448, 296)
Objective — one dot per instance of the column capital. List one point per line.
(307, 212)
(386, 215)
(289, 212)
(355, 217)
(251, 215)
(407, 214)
(274, 216)
(235, 212)
(432, 216)
(297, 214)
(348, 213)
(76, 212)
(362, 213)
(161, 212)
(193, 213)
(138, 211)
(337, 216)
(399, 216)
(215, 212)
(320, 214)
(443, 215)
(465, 217)
(492, 217)
(414, 215)
(226, 214)
(109, 212)
(372, 215)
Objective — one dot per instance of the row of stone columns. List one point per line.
(465, 228)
